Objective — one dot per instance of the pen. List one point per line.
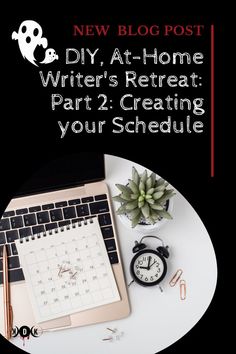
(8, 316)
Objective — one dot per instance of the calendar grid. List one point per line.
(68, 272)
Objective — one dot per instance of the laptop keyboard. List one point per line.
(26, 222)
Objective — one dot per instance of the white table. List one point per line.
(157, 319)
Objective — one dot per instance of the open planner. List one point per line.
(67, 270)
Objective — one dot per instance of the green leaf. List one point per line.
(156, 207)
(164, 214)
(145, 210)
(126, 197)
(134, 196)
(151, 220)
(133, 213)
(150, 201)
(141, 198)
(131, 205)
(150, 191)
(133, 186)
(162, 187)
(141, 204)
(154, 214)
(166, 196)
(148, 183)
(124, 189)
(157, 195)
(121, 210)
(148, 196)
(169, 191)
(141, 187)
(118, 198)
(153, 178)
(144, 176)
(135, 221)
(159, 182)
(135, 176)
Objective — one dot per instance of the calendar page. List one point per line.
(67, 271)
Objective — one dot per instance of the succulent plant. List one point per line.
(144, 198)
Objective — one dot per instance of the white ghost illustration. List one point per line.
(29, 36)
(50, 56)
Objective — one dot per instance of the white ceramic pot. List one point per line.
(146, 229)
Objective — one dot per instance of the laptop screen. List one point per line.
(64, 172)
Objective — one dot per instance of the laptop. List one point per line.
(67, 190)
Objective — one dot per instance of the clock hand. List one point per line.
(148, 266)
(149, 261)
(152, 264)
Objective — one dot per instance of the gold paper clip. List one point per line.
(182, 287)
(107, 339)
(175, 277)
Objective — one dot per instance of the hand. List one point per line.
(149, 261)
(148, 266)
(152, 264)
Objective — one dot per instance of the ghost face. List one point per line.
(50, 56)
(29, 36)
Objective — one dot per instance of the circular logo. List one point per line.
(24, 331)
(15, 331)
(36, 331)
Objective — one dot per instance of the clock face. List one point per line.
(148, 267)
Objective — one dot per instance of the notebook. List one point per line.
(67, 270)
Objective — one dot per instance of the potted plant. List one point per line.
(144, 200)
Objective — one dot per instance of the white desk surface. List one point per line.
(157, 319)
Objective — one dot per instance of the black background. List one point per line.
(30, 135)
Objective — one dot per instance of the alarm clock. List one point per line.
(148, 267)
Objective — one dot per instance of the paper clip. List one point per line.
(182, 287)
(107, 339)
(116, 335)
(176, 277)
(112, 330)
